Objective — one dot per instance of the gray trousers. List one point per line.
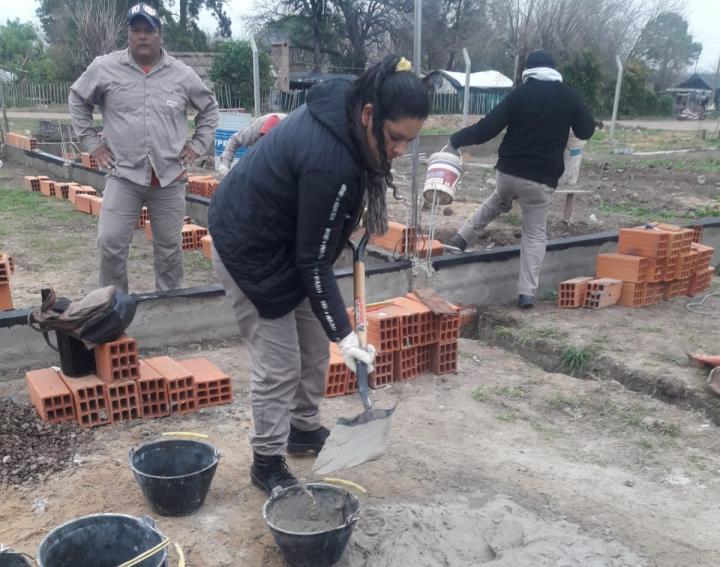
(535, 199)
(290, 356)
(122, 203)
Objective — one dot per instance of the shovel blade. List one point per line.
(354, 441)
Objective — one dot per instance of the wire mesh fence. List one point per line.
(27, 94)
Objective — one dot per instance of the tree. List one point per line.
(22, 52)
(667, 48)
(584, 73)
(181, 31)
(232, 71)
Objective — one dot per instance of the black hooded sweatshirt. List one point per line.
(283, 214)
(538, 116)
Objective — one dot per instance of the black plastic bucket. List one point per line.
(101, 540)
(312, 535)
(9, 558)
(174, 474)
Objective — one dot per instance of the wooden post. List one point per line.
(569, 204)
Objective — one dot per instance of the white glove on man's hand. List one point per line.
(352, 352)
(223, 170)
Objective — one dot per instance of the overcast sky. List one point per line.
(703, 16)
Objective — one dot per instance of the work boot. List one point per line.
(269, 471)
(526, 301)
(458, 242)
(307, 441)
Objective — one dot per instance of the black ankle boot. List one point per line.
(526, 301)
(269, 471)
(458, 242)
(307, 441)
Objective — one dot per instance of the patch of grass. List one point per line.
(514, 392)
(512, 219)
(560, 402)
(503, 332)
(549, 296)
(646, 445)
(576, 358)
(529, 335)
(637, 212)
(195, 262)
(668, 429)
(479, 394)
(670, 358)
(22, 208)
(634, 415)
(650, 329)
(705, 212)
(507, 417)
(599, 460)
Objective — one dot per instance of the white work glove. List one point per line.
(352, 352)
(223, 170)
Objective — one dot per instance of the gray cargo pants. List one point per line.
(535, 199)
(290, 356)
(122, 203)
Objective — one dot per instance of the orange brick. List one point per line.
(89, 398)
(206, 244)
(444, 358)
(62, 190)
(117, 360)
(5, 269)
(95, 205)
(571, 293)
(705, 254)
(405, 364)
(383, 327)
(50, 396)
(399, 239)
(641, 241)
(30, 182)
(435, 246)
(47, 187)
(144, 217)
(697, 233)
(336, 377)
(123, 401)
(6, 302)
(603, 292)
(656, 269)
(675, 288)
(670, 268)
(152, 392)
(199, 232)
(76, 190)
(417, 327)
(633, 294)
(180, 383)
(680, 238)
(655, 293)
(148, 231)
(700, 281)
(212, 385)
(383, 372)
(83, 203)
(188, 237)
(622, 267)
(686, 265)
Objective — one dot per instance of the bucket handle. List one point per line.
(152, 551)
(347, 484)
(457, 150)
(186, 434)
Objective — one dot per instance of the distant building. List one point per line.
(695, 93)
(480, 82)
(198, 61)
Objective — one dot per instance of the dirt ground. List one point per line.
(502, 464)
(568, 437)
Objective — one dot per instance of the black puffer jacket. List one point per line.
(281, 217)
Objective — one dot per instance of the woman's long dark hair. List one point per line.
(394, 94)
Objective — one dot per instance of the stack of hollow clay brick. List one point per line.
(202, 185)
(401, 240)
(24, 142)
(194, 236)
(7, 269)
(86, 160)
(409, 340)
(653, 263)
(124, 387)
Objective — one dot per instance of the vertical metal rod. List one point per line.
(256, 75)
(616, 104)
(416, 142)
(466, 99)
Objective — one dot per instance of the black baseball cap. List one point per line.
(539, 58)
(146, 12)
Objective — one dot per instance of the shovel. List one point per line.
(355, 440)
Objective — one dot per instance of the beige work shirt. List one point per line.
(144, 116)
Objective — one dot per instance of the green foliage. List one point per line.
(232, 68)
(576, 358)
(636, 98)
(667, 48)
(665, 105)
(584, 74)
(23, 53)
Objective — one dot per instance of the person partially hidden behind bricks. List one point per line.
(143, 95)
(247, 137)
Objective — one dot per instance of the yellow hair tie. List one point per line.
(403, 65)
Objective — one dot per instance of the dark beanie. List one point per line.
(540, 58)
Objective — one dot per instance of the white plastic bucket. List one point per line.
(573, 158)
(230, 122)
(443, 173)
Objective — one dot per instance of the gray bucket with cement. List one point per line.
(312, 533)
(101, 540)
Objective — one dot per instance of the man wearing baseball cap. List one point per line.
(247, 137)
(143, 95)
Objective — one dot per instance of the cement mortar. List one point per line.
(476, 531)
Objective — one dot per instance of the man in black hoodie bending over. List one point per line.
(538, 116)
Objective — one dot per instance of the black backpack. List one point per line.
(100, 317)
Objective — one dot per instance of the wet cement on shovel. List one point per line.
(302, 512)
